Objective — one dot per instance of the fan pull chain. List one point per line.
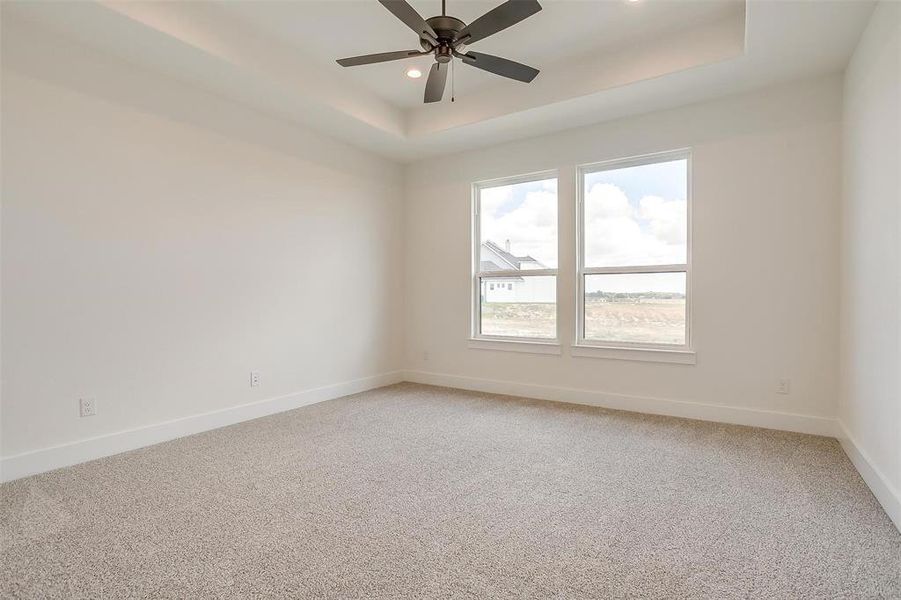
(452, 80)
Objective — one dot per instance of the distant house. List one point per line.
(509, 288)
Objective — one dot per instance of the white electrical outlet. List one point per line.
(87, 407)
(254, 379)
(784, 386)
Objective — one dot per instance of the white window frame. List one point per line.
(618, 349)
(495, 342)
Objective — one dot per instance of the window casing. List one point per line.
(612, 315)
(514, 282)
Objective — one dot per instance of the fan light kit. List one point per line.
(447, 37)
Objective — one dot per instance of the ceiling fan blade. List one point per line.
(497, 19)
(369, 59)
(411, 18)
(434, 87)
(500, 66)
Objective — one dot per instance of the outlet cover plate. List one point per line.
(87, 407)
(784, 386)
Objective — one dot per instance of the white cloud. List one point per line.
(605, 200)
(618, 233)
(667, 219)
(531, 227)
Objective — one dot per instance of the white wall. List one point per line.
(870, 407)
(766, 187)
(159, 243)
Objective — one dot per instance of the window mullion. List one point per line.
(626, 270)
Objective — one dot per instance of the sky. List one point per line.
(633, 216)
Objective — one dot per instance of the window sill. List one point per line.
(680, 357)
(516, 346)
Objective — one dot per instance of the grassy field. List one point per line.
(535, 319)
(654, 321)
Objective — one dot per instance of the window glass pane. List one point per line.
(641, 308)
(523, 307)
(518, 226)
(636, 216)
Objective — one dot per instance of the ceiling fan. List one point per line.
(447, 37)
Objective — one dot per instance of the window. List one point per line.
(634, 253)
(515, 241)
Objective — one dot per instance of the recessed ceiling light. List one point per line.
(414, 73)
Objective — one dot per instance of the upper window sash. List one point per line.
(609, 204)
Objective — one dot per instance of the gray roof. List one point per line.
(514, 260)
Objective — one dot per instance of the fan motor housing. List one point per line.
(447, 28)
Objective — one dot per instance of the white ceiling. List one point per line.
(325, 31)
(599, 59)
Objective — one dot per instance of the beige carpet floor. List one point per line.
(412, 491)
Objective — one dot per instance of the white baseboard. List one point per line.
(47, 459)
(886, 494)
(658, 406)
